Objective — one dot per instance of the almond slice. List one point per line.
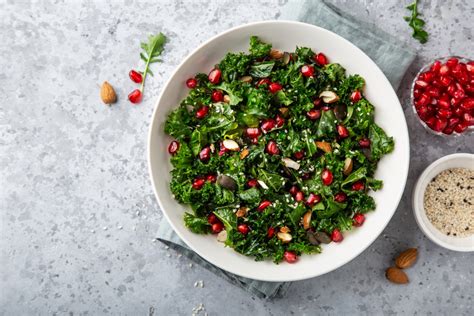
(290, 163)
(284, 237)
(307, 220)
(329, 96)
(348, 164)
(231, 145)
(324, 146)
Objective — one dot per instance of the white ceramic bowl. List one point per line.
(446, 162)
(393, 169)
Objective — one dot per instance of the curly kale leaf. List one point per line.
(183, 158)
(259, 49)
(178, 122)
(304, 54)
(198, 225)
(234, 66)
(335, 73)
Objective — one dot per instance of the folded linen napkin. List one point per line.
(388, 53)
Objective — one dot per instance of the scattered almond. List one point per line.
(226, 99)
(107, 93)
(242, 211)
(347, 166)
(285, 229)
(407, 258)
(276, 54)
(231, 145)
(324, 146)
(329, 96)
(395, 275)
(307, 220)
(247, 79)
(284, 237)
(244, 153)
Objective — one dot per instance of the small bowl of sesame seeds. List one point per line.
(443, 202)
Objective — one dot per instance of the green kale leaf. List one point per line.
(259, 49)
(198, 225)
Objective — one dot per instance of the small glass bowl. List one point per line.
(412, 97)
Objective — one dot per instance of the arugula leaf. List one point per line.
(380, 143)
(151, 51)
(272, 180)
(198, 225)
(259, 49)
(262, 70)
(416, 23)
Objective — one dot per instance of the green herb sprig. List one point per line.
(416, 23)
(151, 51)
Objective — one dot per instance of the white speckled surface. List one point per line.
(78, 215)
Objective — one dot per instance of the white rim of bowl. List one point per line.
(418, 211)
(283, 279)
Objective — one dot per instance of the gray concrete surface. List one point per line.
(78, 215)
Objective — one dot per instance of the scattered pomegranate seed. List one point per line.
(263, 81)
(313, 114)
(252, 183)
(364, 142)
(293, 190)
(270, 232)
(359, 219)
(336, 235)
(217, 228)
(263, 205)
(299, 196)
(313, 199)
(274, 87)
(252, 132)
(326, 177)
(290, 256)
(340, 197)
(268, 125)
(342, 131)
(358, 186)
(173, 147)
(272, 148)
(321, 59)
(299, 154)
(198, 183)
(280, 121)
(243, 229)
(214, 76)
(191, 83)
(356, 96)
(205, 154)
(254, 140)
(212, 219)
(135, 76)
(307, 70)
(217, 96)
(135, 96)
(317, 102)
(211, 178)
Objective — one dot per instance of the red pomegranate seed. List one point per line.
(313, 199)
(448, 130)
(263, 205)
(453, 121)
(254, 140)
(263, 81)
(135, 96)
(217, 228)
(364, 142)
(198, 183)
(421, 84)
(299, 196)
(279, 120)
(307, 70)
(173, 147)
(212, 219)
(463, 78)
(445, 80)
(440, 124)
(202, 112)
(451, 89)
(430, 122)
(461, 127)
(358, 186)
(444, 113)
(359, 219)
(252, 132)
(416, 93)
(270, 232)
(451, 62)
(355, 96)
(436, 66)
(299, 154)
(294, 190)
(217, 96)
(205, 154)
(313, 114)
(317, 102)
(459, 94)
(340, 197)
(135, 76)
(321, 59)
(272, 148)
(252, 183)
(326, 177)
(455, 101)
(468, 119)
(459, 111)
(433, 92)
(342, 131)
(268, 125)
(423, 100)
(211, 178)
(444, 70)
(191, 83)
(214, 76)
(325, 108)
(427, 76)
(470, 67)
(443, 102)
(424, 112)
(336, 235)
(290, 256)
(274, 87)
(468, 104)
(243, 229)
(437, 83)
(470, 88)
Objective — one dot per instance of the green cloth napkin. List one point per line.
(387, 52)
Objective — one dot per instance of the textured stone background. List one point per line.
(78, 215)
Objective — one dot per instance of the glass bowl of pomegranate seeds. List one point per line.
(442, 96)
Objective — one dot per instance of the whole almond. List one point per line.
(395, 275)
(276, 54)
(407, 258)
(324, 146)
(107, 93)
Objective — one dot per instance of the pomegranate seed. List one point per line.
(448, 130)
(459, 111)
(254, 141)
(313, 114)
(436, 66)
(214, 76)
(364, 142)
(470, 88)
(173, 147)
(198, 183)
(359, 219)
(217, 228)
(290, 256)
(252, 132)
(307, 70)
(317, 102)
(294, 190)
(336, 235)
(443, 102)
(243, 229)
(268, 125)
(421, 84)
(212, 219)
(424, 112)
(440, 124)
(321, 59)
(272, 148)
(444, 113)
(270, 232)
(135, 76)
(461, 127)
(279, 120)
(274, 87)
(313, 199)
(470, 67)
(205, 154)
(263, 81)
(202, 112)
(444, 70)
(342, 131)
(416, 93)
(355, 96)
(423, 100)
(468, 119)
(358, 186)
(437, 83)
(326, 177)
(217, 96)
(463, 78)
(263, 205)
(451, 89)
(468, 104)
(325, 108)
(299, 154)
(451, 62)
(433, 91)
(135, 96)
(340, 197)
(252, 183)
(430, 122)
(427, 76)
(453, 121)
(211, 178)
(445, 80)
(191, 83)
(459, 94)
(455, 101)
(299, 196)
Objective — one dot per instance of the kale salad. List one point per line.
(275, 152)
